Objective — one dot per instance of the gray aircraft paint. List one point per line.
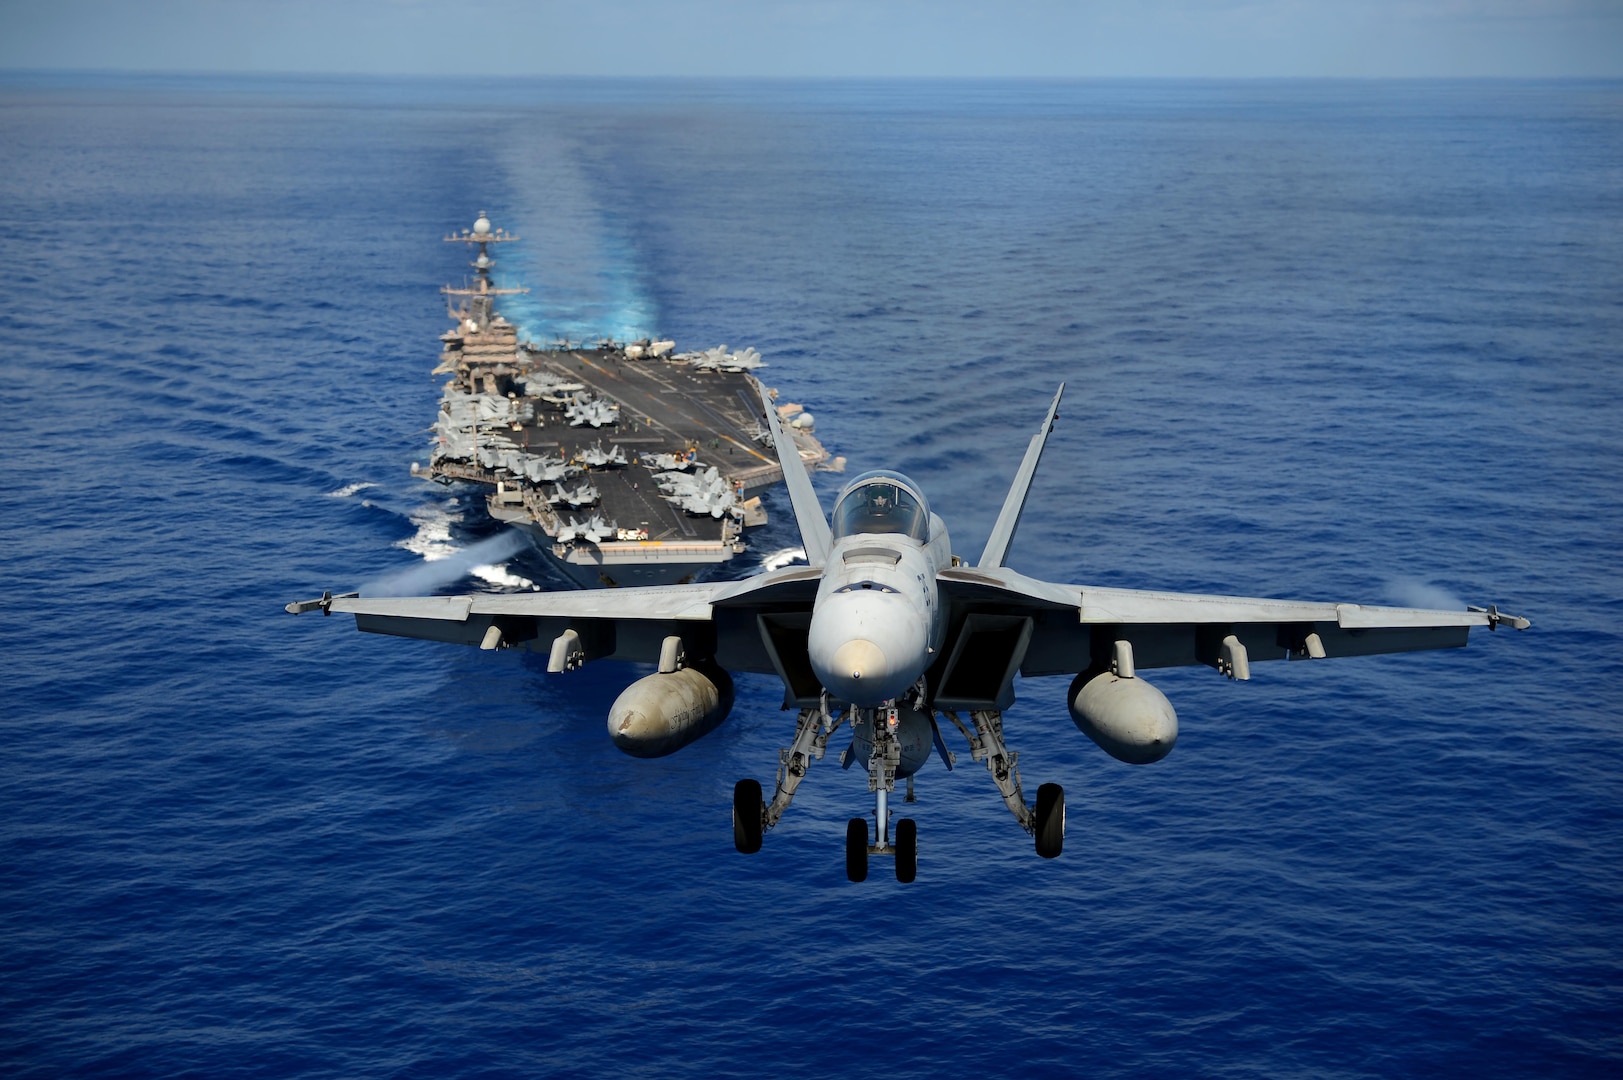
(882, 616)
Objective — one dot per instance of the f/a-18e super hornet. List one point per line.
(598, 458)
(593, 411)
(887, 631)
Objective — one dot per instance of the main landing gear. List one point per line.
(1046, 823)
(752, 817)
(747, 816)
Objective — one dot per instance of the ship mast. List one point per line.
(479, 307)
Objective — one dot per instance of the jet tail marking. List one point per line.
(997, 545)
(814, 532)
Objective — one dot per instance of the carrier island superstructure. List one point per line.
(628, 464)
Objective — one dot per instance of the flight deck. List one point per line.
(627, 463)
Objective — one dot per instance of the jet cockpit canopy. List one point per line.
(882, 502)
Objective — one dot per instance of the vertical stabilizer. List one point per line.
(814, 533)
(997, 545)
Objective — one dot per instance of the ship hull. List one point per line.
(617, 564)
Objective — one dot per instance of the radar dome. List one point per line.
(482, 226)
(804, 422)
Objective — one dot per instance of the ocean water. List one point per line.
(1353, 341)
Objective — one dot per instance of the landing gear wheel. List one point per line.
(856, 849)
(907, 850)
(1050, 820)
(747, 816)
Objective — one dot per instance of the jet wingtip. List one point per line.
(1496, 617)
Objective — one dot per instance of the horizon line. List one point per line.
(736, 78)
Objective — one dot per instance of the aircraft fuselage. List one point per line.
(878, 620)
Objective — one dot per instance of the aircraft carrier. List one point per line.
(628, 464)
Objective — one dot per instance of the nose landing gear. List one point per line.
(856, 849)
(883, 759)
(882, 763)
(904, 850)
(907, 850)
(752, 817)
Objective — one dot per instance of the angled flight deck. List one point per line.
(627, 463)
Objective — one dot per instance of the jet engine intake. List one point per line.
(661, 713)
(1131, 720)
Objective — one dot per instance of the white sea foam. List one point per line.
(500, 575)
(433, 537)
(781, 558)
(349, 489)
(450, 564)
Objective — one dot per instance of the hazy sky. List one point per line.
(823, 37)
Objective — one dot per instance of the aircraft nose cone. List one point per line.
(866, 647)
(860, 659)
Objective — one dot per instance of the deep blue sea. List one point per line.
(1353, 341)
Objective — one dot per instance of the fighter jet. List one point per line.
(593, 411)
(648, 348)
(582, 494)
(593, 530)
(712, 502)
(719, 359)
(598, 458)
(663, 462)
(550, 387)
(703, 493)
(888, 632)
(543, 468)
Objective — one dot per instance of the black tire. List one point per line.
(1050, 820)
(747, 816)
(856, 849)
(907, 850)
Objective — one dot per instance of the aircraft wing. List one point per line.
(734, 621)
(1043, 628)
